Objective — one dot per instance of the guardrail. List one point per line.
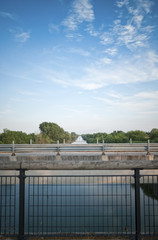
(105, 147)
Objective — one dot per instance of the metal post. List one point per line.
(13, 151)
(137, 204)
(97, 140)
(148, 147)
(30, 141)
(58, 148)
(63, 141)
(21, 204)
(103, 153)
(130, 140)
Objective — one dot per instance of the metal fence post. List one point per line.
(148, 147)
(21, 203)
(58, 148)
(103, 153)
(13, 149)
(137, 204)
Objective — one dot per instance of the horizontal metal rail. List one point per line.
(108, 147)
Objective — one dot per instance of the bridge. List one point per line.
(79, 156)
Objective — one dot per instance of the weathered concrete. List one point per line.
(78, 162)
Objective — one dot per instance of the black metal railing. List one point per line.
(120, 205)
(9, 205)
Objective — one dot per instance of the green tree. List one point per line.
(119, 137)
(42, 139)
(18, 137)
(54, 132)
(137, 136)
(154, 135)
(73, 136)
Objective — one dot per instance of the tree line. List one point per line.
(49, 133)
(136, 136)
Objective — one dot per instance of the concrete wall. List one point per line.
(78, 162)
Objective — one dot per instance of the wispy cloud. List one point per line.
(20, 35)
(130, 36)
(6, 111)
(132, 31)
(106, 38)
(142, 102)
(90, 29)
(52, 27)
(8, 15)
(105, 60)
(74, 35)
(79, 51)
(111, 51)
(105, 71)
(137, 69)
(81, 11)
(28, 93)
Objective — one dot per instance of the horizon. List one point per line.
(89, 66)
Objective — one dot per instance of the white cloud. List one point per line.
(130, 28)
(70, 22)
(20, 35)
(137, 19)
(52, 27)
(73, 35)
(106, 38)
(111, 51)
(147, 95)
(7, 15)
(6, 111)
(129, 36)
(106, 60)
(81, 11)
(145, 5)
(142, 102)
(104, 72)
(90, 29)
(28, 93)
(79, 51)
(121, 3)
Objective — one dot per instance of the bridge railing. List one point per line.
(107, 147)
(77, 205)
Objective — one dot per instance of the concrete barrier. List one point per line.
(78, 162)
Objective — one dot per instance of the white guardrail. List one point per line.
(105, 147)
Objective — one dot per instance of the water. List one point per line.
(79, 208)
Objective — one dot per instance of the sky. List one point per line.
(87, 65)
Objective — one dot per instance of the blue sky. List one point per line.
(87, 65)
